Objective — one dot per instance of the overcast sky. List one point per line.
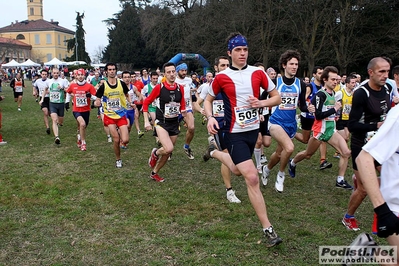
(64, 12)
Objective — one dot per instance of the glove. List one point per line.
(67, 106)
(387, 221)
(92, 106)
(88, 95)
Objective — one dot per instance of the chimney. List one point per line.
(16, 21)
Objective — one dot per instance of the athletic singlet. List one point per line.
(346, 105)
(321, 125)
(56, 90)
(314, 89)
(114, 101)
(18, 85)
(168, 104)
(286, 111)
(132, 97)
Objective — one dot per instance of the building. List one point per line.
(46, 38)
(14, 49)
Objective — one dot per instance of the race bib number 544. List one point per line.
(246, 116)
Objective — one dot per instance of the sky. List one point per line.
(65, 13)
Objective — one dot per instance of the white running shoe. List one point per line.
(231, 197)
(265, 175)
(259, 168)
(263, 159)
(109, 139)
(118, 163)
(280, 183)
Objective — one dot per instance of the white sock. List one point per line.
(292, 163)
(340, 178)
(257, 153)
(281, 173)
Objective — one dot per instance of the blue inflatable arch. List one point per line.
(182, 57)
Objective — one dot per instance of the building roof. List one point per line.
(35, 25)
(9, 41)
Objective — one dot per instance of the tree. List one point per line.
(78, 44)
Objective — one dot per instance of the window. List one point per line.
(31, 1)
(59, 56)
(59, 39)
(32, 11)
(48, 38)
(37, 39)
(20, 37)
(65, 42)
(49, 57)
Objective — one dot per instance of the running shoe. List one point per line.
(48, 131)
(152, 161)
(207, 154)
(79, 143)
(109, 139)
(83, 147)
(231, 196)
(156, 177)
(343, 184)
(189, 153)
(170, 156)
(265, 175)
(291, 169)
(263, 159)
(350, 223)
(279, 186)
(3, 142)
(325, 165)
(118, 163)
(259, 168)
(57, 141)
(272, 239)
(337, 155)
(19, 109)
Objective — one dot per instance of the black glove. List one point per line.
(88, 95)
(92, 106)
(387, 221)
(67, 106)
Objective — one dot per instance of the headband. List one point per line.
(182, 66)
(237, 40)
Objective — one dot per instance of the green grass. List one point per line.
(61, 206)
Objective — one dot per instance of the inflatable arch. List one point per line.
(182, 57)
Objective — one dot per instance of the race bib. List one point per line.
(288, 101)
(172, 110)
(346, 109)
(81, 100)
(188, 104)
(114, 104)
(218, 108)
(55, 96)
(246, 116)
(18, 89)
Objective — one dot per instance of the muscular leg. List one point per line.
(284, 149)
(189, 119)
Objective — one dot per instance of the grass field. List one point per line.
(61, 206)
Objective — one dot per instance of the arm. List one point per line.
(359, 103)
(212, 125)
(99, 94)
(318, 102)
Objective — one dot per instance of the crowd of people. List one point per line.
(245, 108)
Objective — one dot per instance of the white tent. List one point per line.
(12, 63)
(98, 65)
(55, 62)
(76, 63)
(29, 63)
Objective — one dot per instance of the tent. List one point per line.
(98, 65)
(12, 63)
(76, 63)
(29, 63)
(55, 62)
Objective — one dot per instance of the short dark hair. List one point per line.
(126, 72)
(395, 70)
(110, 64)
(141, 70)
(44, 70)
(348, 78)
(152, 74)
(316, 68)
(287, 56)
(167, 64)
(326, 71)
(217, 59)
(258, 64)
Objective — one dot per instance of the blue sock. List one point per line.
(186, 146)
(347, 216)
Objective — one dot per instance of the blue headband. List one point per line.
(182, 66)
(237, 40)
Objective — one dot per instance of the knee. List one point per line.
(252, 180)
(168, 150)
(346, 154)
(290, 149)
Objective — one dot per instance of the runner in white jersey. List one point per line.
(240, 86)
(189, 119)
(384, 148)
(40, 85)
